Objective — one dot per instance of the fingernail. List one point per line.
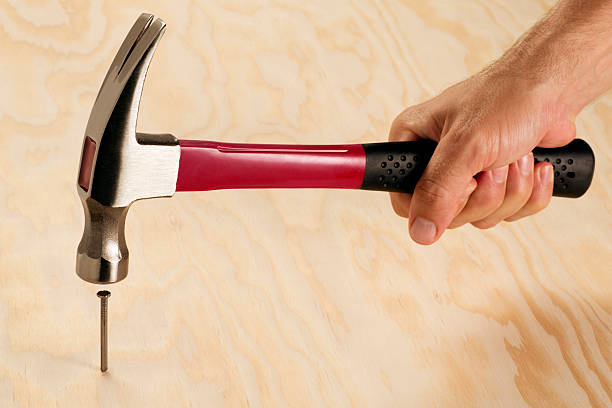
(500, 174)
(525, 164)
(423, 231)
(546, 175)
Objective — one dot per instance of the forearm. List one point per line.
(567, 55)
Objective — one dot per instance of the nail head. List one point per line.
(103, 294)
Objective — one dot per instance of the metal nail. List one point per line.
(103, 295)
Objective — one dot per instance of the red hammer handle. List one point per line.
(206, 165)
(393, 166)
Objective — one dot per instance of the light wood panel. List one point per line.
(286, 298)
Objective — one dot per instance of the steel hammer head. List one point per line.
(119, 166)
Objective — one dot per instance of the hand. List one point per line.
(488, 123)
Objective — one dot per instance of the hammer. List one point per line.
(119, 165)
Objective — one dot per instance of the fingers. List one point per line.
(447, 196)
(488, 197)
(491, 201)
(400, 132)
(401, 203)
(507, 193)
(442, 189)
(519, 186)
(541, 194)
(412, 124)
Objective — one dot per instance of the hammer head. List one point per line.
(119, 166)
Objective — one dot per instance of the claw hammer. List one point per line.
(119, 165)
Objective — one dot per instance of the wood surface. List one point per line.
(286, 298)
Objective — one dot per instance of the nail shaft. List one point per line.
(103, 295)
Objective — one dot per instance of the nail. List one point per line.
(526, 164)
(500, 174)
(103, 295)
(546, 175)
(423, 231)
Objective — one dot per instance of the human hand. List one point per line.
(488, 123)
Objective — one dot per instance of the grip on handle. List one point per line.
(397, 166)
(573, 166)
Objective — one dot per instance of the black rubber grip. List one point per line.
(573, 166)
(397, 166)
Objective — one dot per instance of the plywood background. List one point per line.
(286, 298)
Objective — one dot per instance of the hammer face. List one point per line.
(118, 165)
(102, 256)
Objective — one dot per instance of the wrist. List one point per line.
(566, 58)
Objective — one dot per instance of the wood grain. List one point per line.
(286, 298)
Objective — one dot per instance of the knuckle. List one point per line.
(483, 144)
(484, 224)
(519, 191)
(399, 211)
(474, 146)
(569, 134)
(484, 211)
(412, 115)
(538, 205)
(408, 117)
(395, 128)
(456, 224)
(532, 207)
(567, 138)
(431, 191)
(484, 203)
(405, 121)
(399, 206)
(496, 202)
(490, 198)
(515, 217)
(523, 194)
(417, 119)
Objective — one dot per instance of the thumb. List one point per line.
(444, 186)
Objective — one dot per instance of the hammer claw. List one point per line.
(139, 27)
(126, 48)
(141, 46)
(130, 40)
